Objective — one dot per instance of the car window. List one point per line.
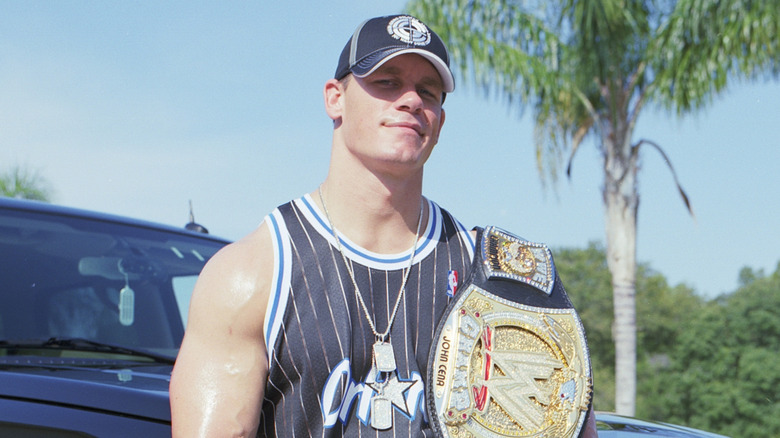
(108, 282)
(182, 290)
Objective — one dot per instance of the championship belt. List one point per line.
(509, 358)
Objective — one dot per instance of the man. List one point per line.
(320, 322)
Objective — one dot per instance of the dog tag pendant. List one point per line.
(381, 413)
(384, 357)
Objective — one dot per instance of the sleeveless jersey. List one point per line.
(318, 339)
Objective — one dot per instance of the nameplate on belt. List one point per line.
(501, 368)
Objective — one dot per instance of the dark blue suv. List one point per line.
(92, 313)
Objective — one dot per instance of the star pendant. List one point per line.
(393, 390)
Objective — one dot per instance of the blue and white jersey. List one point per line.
(319, 341)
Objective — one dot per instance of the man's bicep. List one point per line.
(217, 386)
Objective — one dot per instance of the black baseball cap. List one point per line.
(380, 39)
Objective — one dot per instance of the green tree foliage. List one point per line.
(663, 314)
(712, 364)
(725, 373)
(20, 182)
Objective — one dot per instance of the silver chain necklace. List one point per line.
(383, 358)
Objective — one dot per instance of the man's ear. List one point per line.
(333, 93)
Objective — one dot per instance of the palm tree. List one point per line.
(588, 68)
(19, 182)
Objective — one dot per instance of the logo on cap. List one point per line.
(409, 30)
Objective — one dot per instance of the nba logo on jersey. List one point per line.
(452, 283)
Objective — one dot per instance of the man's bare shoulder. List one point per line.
(238, 277)
(246, 257)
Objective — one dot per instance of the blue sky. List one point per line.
(135, 108)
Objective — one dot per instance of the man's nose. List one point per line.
(410, 100)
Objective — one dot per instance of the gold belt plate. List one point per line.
(503, 369)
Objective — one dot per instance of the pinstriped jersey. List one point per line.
(318, 338)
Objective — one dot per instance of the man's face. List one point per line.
(392, 118)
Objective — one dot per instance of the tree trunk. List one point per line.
(621, 201)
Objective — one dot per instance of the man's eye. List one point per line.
(386, 82)
(429, 94)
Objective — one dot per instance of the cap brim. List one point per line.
(367, 65)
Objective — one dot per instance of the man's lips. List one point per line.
(407, 125)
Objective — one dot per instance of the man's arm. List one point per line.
(220, 374)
